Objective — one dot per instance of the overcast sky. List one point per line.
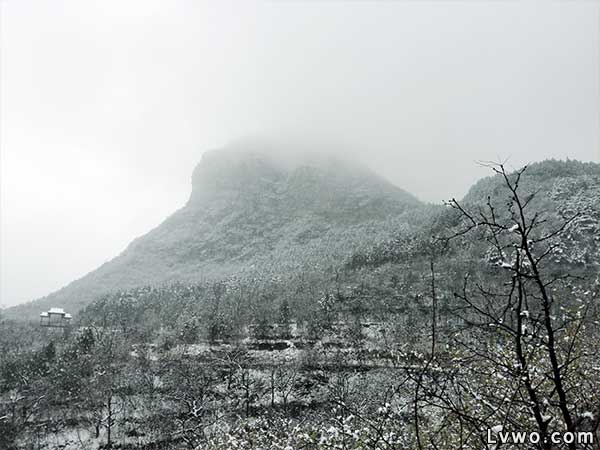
(106, 106)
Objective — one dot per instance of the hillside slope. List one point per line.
(565, 193)
(383, 280)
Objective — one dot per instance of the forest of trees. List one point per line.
(483, 322)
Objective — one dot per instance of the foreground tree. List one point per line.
(520, 361)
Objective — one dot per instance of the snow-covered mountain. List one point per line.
(251, 211)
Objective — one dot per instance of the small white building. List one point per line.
(56, 318)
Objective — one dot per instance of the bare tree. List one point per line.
(517, 362)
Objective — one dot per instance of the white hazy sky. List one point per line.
(106, 106)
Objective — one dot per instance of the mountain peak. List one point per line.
(257, 169)
(227, 172)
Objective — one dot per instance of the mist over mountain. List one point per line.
(252, 209)
(399, 249)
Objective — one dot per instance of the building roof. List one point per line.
(56, 311)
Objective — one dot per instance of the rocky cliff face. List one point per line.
(250, 212)
(265, 180)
